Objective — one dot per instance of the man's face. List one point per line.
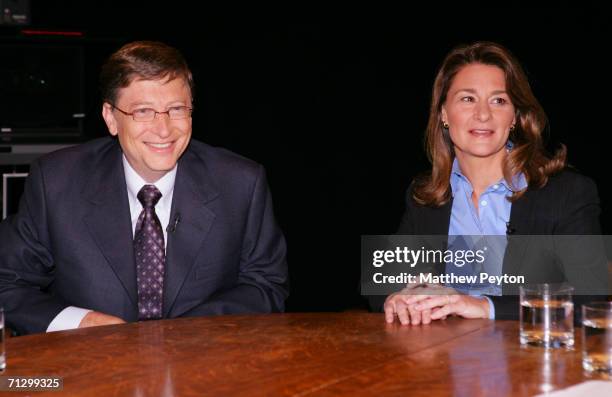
(151, 147)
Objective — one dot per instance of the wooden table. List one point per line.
(299, 354)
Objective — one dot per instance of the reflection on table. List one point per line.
(295, 354)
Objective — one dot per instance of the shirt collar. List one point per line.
(519, 181)
(135, 182)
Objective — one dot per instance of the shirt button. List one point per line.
(483, 203)
(495, 187)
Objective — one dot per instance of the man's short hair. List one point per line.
(142, 60)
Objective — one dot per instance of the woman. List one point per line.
(491, 176)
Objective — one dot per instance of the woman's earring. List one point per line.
(445, 125)
(512, 127)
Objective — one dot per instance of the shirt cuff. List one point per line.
(491, 308)
(69, 318)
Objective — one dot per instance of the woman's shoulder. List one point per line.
(409, 196)
(569, 179)
(413, 204)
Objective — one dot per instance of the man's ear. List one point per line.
(109, 118)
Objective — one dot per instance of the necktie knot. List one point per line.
(148, 196)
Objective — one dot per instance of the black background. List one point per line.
(334, 102)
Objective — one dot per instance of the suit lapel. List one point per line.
(108, 219)
(521, 221)
(193, 188)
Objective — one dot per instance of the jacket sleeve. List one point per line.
(406, 225)
(26, 262)
(577, 245)
(376, 302)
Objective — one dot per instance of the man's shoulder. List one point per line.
(79, 154)
(222, 161)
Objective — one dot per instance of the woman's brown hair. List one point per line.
(528, 154)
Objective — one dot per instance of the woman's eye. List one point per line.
(467, 99)
(499, 101)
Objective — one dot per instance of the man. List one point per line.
(145, 224)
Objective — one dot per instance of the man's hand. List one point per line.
(94, 319)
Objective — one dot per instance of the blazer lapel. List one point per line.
(521, 223)
(193, 188)
(109, 220)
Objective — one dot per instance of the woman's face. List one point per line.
(478, 111)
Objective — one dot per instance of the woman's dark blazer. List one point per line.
(567, 205)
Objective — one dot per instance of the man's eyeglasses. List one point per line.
(148, 114)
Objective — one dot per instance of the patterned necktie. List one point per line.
(150, 255)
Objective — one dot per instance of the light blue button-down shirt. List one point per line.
(470, 227)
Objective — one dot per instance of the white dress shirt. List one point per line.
(162, 208)
(71, 317)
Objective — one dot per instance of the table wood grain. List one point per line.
(297, 354)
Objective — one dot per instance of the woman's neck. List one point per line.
(482, 172)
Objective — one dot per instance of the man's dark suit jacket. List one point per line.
(567, 205)
(71, 241)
